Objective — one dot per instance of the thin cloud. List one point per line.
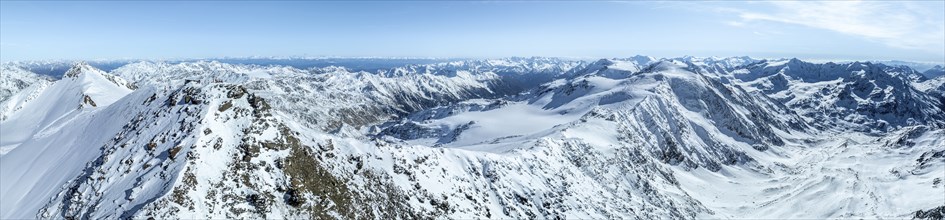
(896, 24)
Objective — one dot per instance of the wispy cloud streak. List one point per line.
(896, 24)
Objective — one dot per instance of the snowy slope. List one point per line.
(82, 89)
(854, 176)
(637, 137)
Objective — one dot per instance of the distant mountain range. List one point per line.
(56, 68)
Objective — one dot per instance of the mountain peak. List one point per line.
(78, 68)
(934, 72)
(795, 61)
(82, 69)
(604, 62)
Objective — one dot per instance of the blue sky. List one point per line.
(870, 30)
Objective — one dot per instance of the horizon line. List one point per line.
(447, 58)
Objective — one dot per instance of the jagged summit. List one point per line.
(89, 73)
(78, 68)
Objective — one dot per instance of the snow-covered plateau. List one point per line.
(513, 138)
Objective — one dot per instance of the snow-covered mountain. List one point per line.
(41, 109)
(868, 96)
(635, 137)
(14, 79)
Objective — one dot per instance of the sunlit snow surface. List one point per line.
(847, 176)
